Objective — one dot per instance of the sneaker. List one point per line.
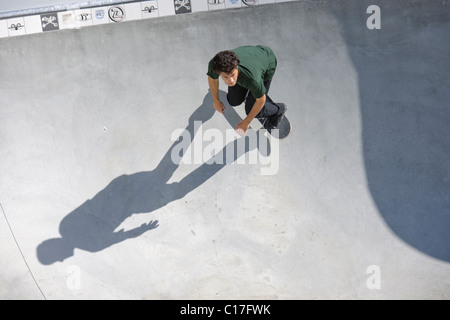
(276, 120)
(267, 124)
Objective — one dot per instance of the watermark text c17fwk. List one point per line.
(212, 146)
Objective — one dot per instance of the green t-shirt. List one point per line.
(257, 64)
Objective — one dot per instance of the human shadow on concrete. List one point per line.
(91, 226)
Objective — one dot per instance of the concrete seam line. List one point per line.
(20, 250)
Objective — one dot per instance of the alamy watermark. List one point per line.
(73, 279)
(374, 20)
(374, 280)
(215, 147)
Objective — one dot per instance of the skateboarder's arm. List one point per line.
(214, 87)
(259, 104)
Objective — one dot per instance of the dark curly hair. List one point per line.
(225, 61)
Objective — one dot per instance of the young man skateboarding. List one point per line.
(248, 72)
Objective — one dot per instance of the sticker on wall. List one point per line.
(75, 19)
(100, 15)
(16, 26)
(116, 14)
(66, 20)
(250, 2)
(149, 9)
(49, 22)
(83, 17)
(182, 6)
(233, 3)
(216, 4)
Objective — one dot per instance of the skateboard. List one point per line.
(284, 127)
(282, 130)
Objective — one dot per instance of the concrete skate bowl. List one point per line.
(369, 103)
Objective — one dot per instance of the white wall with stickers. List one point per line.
(90, 13)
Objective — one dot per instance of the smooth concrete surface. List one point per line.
(93, 207)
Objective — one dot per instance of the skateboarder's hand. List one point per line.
(219, 106)
(243, 125)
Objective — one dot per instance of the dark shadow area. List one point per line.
(404, 95)
(92, 225)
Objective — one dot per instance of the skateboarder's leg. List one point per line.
(236, 95)
(270, 108)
